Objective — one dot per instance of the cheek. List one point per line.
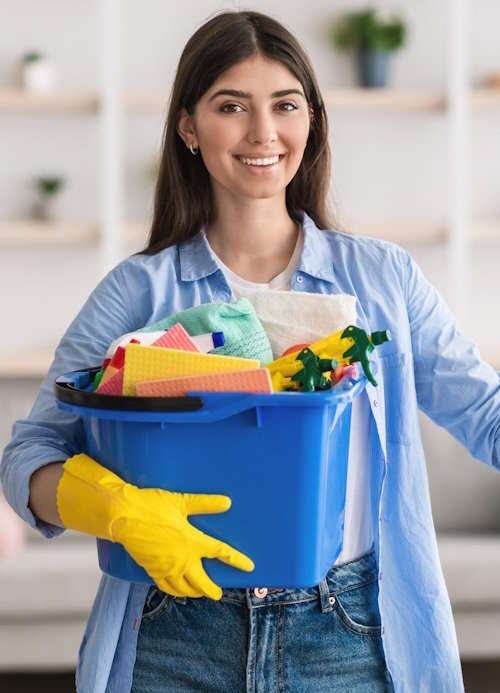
(216, 136)
(297, 138)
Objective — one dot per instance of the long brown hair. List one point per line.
(183, 199)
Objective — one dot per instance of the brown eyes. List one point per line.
(287, 103)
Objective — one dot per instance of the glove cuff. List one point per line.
(89, 497)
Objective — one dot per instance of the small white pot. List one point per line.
(39, 76)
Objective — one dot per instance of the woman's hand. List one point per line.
(151, 524)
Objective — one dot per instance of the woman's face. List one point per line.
(255, 124)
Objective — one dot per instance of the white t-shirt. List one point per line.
(358, 531)
(281, 282)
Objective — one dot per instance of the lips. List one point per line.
(238, 157)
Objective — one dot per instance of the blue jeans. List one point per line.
(316, 640)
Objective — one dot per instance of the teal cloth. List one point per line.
(244, 334)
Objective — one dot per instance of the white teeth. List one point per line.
(259, 162)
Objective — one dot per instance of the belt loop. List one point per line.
(324, 596)
(248, 599)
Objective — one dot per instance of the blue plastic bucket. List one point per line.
(281, 458)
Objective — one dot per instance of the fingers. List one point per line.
(226, 554)
(165, 586)
(194, 584)
(202, 503)
(200, 581)
(178, 587)
(181, 585)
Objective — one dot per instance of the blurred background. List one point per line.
(415, 139)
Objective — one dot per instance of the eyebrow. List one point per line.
(246, 95)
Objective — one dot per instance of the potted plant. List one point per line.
(373, 39)
(37, 72)
(47, 188)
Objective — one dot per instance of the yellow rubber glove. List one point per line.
(151, 524)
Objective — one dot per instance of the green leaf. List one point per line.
(362, 29)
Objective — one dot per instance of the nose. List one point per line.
(262, 128)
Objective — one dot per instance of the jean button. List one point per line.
(331, 600)
(260, 592)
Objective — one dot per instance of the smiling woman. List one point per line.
(244, 93)
(264, 132)
(241, 205)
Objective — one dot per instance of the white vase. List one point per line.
(44, 209)
(39, 75)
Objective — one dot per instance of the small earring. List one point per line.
(194, 152)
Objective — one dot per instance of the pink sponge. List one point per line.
(255, 380)
(176, 338)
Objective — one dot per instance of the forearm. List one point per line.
(43, 489)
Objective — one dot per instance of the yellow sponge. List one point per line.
(155, 363)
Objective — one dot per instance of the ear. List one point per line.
(185, 128)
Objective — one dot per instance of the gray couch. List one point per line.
(465, 497)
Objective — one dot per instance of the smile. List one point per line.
(261, 165)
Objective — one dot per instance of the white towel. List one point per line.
(293, 317)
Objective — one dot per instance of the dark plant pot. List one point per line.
(373, 67)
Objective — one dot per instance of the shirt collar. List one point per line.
(316, 258)
(197, 260)
(196, 257)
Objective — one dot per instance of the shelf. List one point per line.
(355, 98)
(156, 101)
(423, 233)
(14, 234)
(50, 102)
(29, 233)
(406, 99)
(400, 232)
(491, 354)
(18, 234)
(485, 230)
(148, 101)
(358, 98)
(483, 98)
(30, 364)
(385, 99)
(136, 233)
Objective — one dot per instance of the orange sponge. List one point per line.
(256, 380)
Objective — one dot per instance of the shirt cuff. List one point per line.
(17, 486)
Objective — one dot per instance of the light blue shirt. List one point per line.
(428, 364)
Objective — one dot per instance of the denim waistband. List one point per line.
(339, 578)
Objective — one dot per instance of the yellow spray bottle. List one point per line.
(345, 346)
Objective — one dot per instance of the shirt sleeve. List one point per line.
(455, 387)
(48, 434)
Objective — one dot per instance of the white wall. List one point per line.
(386, 167)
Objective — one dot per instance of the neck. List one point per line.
(256, 241)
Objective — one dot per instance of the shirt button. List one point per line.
(300, 279)
(260, 592)
(375, 403)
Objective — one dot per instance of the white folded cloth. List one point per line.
(293, 317)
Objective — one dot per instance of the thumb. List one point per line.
(201, 503)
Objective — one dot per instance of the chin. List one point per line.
(264, 194)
